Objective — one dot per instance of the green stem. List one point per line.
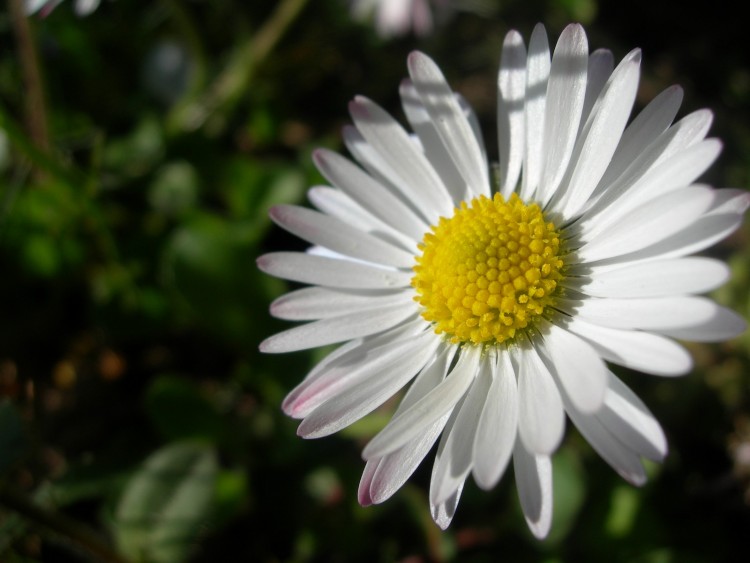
(231, 84)
(192, 37)
(35, 106)
(41, 159)
(46, 520)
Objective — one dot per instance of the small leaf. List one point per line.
(624, 506)
(175, 188)
(569, 494)
(167, 503)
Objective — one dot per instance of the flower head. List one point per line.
(502, 298)
(395, 17)
(82, 7)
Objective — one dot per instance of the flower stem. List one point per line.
(227, 89)
(35, 107)
(74, 532)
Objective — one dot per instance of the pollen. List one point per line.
(487, 273)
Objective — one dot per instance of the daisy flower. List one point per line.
(82, 7)
(503, 294)
(395, 17)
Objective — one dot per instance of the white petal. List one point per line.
(641, 351)
(336, 203)
(430, 377)
(498, 425)
(511, 84)
(396, 467)
(576, 367)
(658, 279)
(642, 131)
(379, 384)
(724, 217)
(724, 324)
(688, 131)
(346, 366)
(325, 363)
(363, 491)
(729, 200)
(377, 167)
(631, 422)
(659, 314)
(566, 91)
(649, 224)
(651, 163)
(601, 65)
(534, 484)
(599, 136)
(417, 178)
(537, 76)
(476, 128)
(541, 418)
(443, 513)
(449, 121)
(455, 455)
(338, 236)
(705, 232)
(311, 303)
(679, 171)
(330, 272)
(430, 408)
(369, 193)
(622, 459)
(434, 149)
(337, 329)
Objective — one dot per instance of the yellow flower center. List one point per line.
(489, 271)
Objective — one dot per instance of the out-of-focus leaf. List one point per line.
(583, 11)
(40, 255)
(250, 188)
(12, 439)
(324, 485)
(44, 227)
(569, 492)
(178, 410)
(85, 481)
(167, 503)
(174, 189)
(367, 426)
(211, 264)
(139, 151)
(624, 505)
(231, 493)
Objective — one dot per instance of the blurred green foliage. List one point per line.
(138, 422)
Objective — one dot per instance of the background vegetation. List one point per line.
(140, 148)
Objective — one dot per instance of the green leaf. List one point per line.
(139, 151)
(210, 263)
(569, 492)
(174, 189)
(624, 506)
(167, 503)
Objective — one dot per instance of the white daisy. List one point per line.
(504, 298)
(82, 7)
(395, 17)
